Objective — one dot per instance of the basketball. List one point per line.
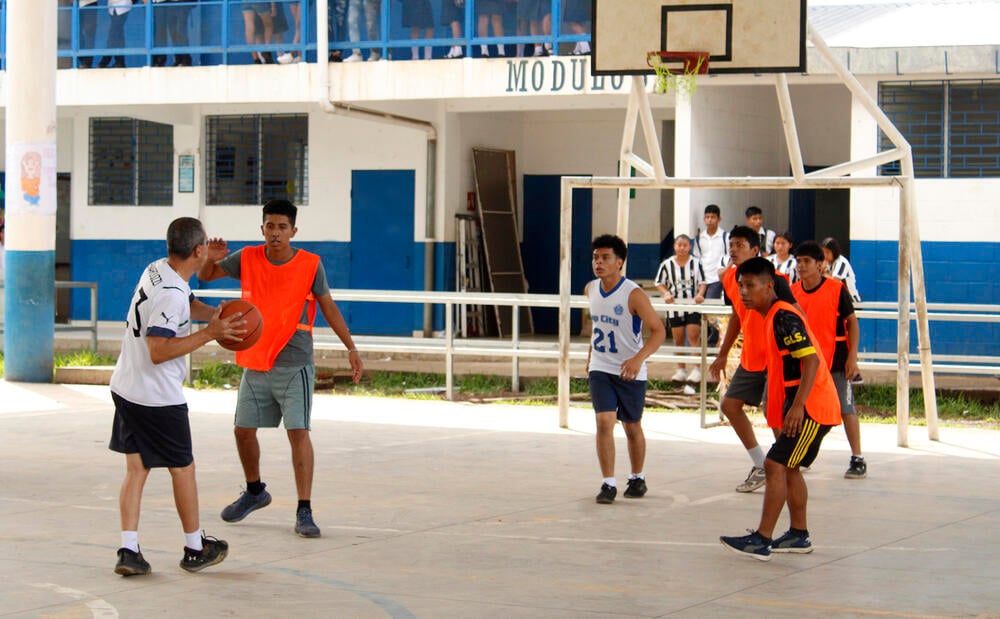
(254, 324)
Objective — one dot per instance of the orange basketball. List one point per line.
(254, 324)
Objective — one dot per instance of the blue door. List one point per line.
(540, 246)
(382, 250)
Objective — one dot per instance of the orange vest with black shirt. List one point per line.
(784, 373)
(279, 292)
(821, 307)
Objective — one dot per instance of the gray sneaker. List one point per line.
(241, 507)
(754, 480)
(304, 524)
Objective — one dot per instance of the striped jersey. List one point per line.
(786, 268)
(841, 269)
(616, 334)
(161, 307)
(681, 281)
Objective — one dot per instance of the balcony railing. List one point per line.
(214, 32)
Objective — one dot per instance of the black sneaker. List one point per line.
(241, 507)
(858, 468)
(755, 545)
(636, 488)
(212, 552)
(131, 563)
(304, 524)
(790, 542)
(607, 494)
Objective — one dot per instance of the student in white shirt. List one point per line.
(711, 248)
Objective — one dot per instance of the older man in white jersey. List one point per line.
(616, 362)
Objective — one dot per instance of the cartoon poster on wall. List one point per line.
(31, 179)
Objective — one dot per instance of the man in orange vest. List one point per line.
(827, 304)
(746, 385)
(286, 284)
(802, 406)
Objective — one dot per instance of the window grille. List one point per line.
(131, 163)
(953, 127)
(251, 159)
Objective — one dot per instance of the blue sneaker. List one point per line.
(755, 545)
(305, 526)
(241, 507)
(790, 542)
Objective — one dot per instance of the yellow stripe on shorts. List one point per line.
(809, 431)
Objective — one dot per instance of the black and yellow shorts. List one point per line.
(802, 449)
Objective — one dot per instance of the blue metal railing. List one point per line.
(213, 32)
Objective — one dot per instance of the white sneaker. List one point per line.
(355, 57)
(679, 376)
(455, 52)
(694, 376)
(286, 58)
(375, 56)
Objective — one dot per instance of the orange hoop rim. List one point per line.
(695, 63)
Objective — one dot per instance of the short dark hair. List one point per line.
(754, 210)
(810, 249)
(756, 266)
(609, 240)
(746, 232)
(280, 206)
(834, 247)
(183, 235)
(713, 209)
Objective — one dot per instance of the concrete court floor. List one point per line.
(435, 509)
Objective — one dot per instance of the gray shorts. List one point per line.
(282, 393)
(747, 387)
(845, 393)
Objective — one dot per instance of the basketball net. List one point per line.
(683, 81)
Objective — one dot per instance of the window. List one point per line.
(252, 159)
(131, 162)
(953, 127)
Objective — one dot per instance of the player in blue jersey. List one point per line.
(616, 362)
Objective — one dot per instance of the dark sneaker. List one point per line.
(304, 524)
(791, 542)
(607, 494)
(212, 552)
(131, 563)
(636, 488)
(754, 480)
(858, 468)
(754, 545)
(241, 507)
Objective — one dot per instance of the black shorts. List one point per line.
(747, 387)
(801, 450)
(613, 393)
(161, 435)
(678, 320)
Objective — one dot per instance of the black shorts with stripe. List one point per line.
(161, 435)
(801, 450)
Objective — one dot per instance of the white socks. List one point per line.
(130, 540)
(611, 482)
(637, 476)
(757, 455)
(193, 540)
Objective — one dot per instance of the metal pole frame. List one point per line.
(638, 112)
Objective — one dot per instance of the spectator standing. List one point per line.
(755, 221)
(681, 278)
(576, 14)
(294, 55)
(490, 13)
(254, 14)
(171, 22)
(782, 258)
(711, 247)
(88, 31)
(453, 16)
(417, 16)
(534, 17)
(371, 11)
(118, 11)
(838, 267)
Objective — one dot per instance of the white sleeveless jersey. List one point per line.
(617, 334)
(161, 306)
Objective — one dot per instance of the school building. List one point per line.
(378, 154)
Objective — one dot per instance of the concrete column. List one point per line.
(29, 292)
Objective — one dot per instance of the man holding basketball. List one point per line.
(151, 424)
(286, 284)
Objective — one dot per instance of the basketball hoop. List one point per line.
(681, 80)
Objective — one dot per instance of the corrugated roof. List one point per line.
(913, 23)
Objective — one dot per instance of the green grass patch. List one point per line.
(79, 358)
(879, 401)
(218, 375)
